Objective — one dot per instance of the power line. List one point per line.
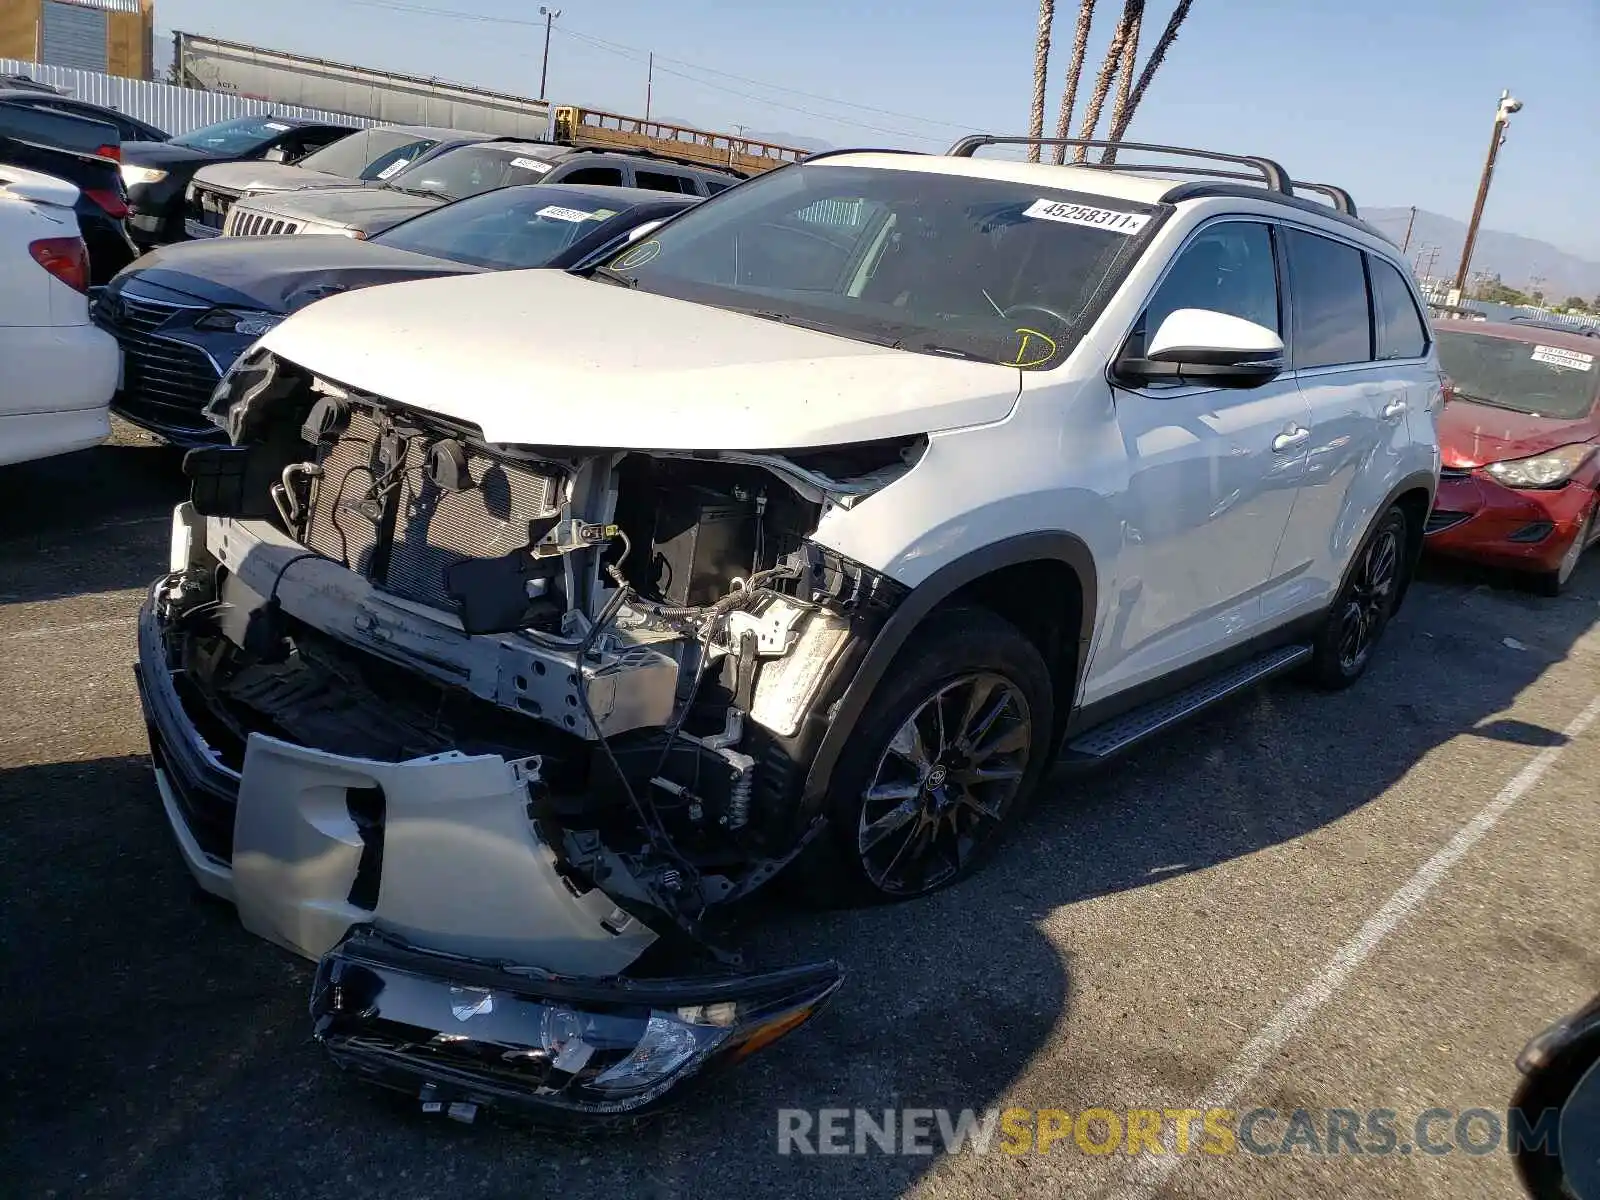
(639, 55)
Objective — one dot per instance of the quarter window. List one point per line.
(1400, 330)
(1332, 322)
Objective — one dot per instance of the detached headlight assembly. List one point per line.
(1542, 470)
(246, 324)
(462, 1033)
(132, 175)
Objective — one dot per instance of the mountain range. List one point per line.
(1521, 262)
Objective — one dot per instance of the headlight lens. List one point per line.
(1542, 470)
(246, 324)
(544, 1045)
(132, 174)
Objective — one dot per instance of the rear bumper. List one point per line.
(55, 382)
(1476, 518)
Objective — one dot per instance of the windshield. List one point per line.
(1548, 381)
(369, 154)
(505, 230)
(234, 137)
(471, 170)
(987, 269)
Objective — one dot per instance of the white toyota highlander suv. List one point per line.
(529, 617)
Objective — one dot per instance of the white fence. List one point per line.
(175, 109)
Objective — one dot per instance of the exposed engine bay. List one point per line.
(655, 630)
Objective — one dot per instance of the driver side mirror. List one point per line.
(1208, 349)
(276, 155)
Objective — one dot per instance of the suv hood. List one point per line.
(163, 154)
(355, 206)
(241, 177)
(1473, 435)
(547, 358)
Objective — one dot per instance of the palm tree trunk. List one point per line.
(1130, 58)
(1152, 64)
(1069, 92)
(1108, 70)
(1041, 69)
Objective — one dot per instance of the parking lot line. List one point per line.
(85, 627)
(1147, 1174)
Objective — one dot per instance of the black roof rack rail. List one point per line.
(1269, 172)
(854, 150)
(1341, 198)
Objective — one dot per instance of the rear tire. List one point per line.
(1361, 612)
(952, 744)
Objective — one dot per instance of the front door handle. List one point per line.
(1289, 439)
(1394, 410)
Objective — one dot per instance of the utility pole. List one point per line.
(1405, 244)
(649, 84)
(549, 15)
(1502, 117)
(740, 130)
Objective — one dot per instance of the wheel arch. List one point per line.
(1413, 495)
(1005, 577)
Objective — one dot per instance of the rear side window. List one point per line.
(1332, 323)
(601, 176)
(1400, 330)
(665, 181)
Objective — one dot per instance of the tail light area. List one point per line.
(114, 202)
(65, 258)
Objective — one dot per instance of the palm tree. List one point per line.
(1127, 29)
(1123, 113)
(1041, 65)
(1069, 93)
(1130, 56)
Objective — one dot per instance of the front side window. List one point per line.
(1523, 376)
(1399, 325)
(238, 137)
(1227, 268)
(599, 176)
(987, 269)
(665, 181)
(470, 171)
(1332, 322)
(367, 154)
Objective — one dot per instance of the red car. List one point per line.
(1519, 435)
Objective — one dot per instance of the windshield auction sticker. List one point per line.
(531, 164)
(1555, 356)
(556, 213)
(1084, 214)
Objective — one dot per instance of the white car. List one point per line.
(529, 617)
(57, 371)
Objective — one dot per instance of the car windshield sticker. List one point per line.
(556, 213)
(277, 128)
(394, 168)
(1035, 350)
(1555, 356)
(531, 164)
(1084, 214)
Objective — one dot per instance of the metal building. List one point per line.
(113, 36)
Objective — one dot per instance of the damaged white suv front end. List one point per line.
(523, 624)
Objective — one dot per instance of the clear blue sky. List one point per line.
(1392, 98)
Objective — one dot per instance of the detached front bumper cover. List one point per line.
(462, 1034)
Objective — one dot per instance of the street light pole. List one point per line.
(549, 15)
(1502, 117)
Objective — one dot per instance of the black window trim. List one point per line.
(1285, 306)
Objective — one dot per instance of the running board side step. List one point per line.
(1116, 735)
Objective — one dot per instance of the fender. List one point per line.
(1044, 546)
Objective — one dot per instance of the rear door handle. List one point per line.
(1290, 439)
(1394, 410)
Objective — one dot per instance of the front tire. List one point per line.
(1361, 612)
(1553, 583)
(950, 747)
